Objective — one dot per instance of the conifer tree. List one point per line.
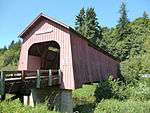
(123, 21)
(11, 44)
(4, 48)
(145, 15)
(93, 30)
(87, 25)
(79, 23)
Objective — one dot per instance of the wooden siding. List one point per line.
(34, 63)
(89, 64)
(62, 37)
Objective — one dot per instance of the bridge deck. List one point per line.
(14, 82)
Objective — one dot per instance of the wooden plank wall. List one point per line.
(89, 64)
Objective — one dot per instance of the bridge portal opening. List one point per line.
(44, 54)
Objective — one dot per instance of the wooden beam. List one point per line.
(59, 75)
(50, 78)
(23, 75)
(38, 79)
(11, 72)
(38, 50)
(2, 85)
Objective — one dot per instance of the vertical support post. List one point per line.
(23, 75)
(66, 102)
(2, 85)
(38, 79)
(50, 77)
(59, 75)
(29, 100)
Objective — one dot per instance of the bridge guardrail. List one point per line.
(50, 75)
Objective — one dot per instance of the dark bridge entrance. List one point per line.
(49, 54)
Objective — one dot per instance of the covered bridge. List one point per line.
(66, 59)
(50, 44)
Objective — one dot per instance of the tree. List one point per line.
(9, 58)
(80, 22)
(145, 15)
(123, 15)
(93, 30)
(2, 50)
(123, 21)
(87, 25)
(5, 48)
(11, 44)
(121, 44)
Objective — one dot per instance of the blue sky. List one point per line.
(15, 15)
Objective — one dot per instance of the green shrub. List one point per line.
(146, 80)
(84, 95)
(85, 108)
(84, 99)
(17, 107)
(138, 92)
(130, 70)
(110, 89)
(129, 106)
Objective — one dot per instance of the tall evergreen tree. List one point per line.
(121, 44)
(93, 30)
(123, 15)
(123, 20)
(4, 48)
(80, 21)
(145, 15)
(11, 44)
(87, 25)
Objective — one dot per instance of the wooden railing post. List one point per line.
(59, 75)
(2, 85)
(38, 79)
(23, 75)
(50, 77)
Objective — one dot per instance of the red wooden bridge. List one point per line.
(50, 44)
(21, 82)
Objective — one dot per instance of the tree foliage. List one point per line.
(9, 57)
(87, 25)
(123, 21)
(145, 15)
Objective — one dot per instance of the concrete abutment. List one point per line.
(57, 99)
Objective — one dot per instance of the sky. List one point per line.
(15, 15)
